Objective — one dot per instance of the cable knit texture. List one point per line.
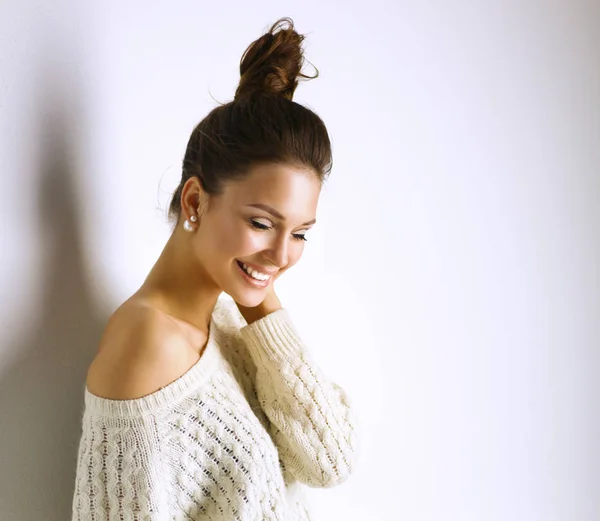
(234, 438)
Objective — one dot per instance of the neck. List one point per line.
(178, 285)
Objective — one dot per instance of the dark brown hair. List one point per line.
(262, 124)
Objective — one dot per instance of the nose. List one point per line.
(279, 254)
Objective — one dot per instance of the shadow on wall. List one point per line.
(41, 395)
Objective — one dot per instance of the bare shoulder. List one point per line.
(141, 351)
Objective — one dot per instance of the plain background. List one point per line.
(451, 284)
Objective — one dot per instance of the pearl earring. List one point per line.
(186, 224)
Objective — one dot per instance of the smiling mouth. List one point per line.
(264, 278)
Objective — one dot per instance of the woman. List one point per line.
(201, 407)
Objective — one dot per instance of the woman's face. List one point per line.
(262, 221)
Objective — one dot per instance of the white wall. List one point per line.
(458, 239)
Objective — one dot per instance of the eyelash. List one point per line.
(260, 226)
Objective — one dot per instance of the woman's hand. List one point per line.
(268, 305)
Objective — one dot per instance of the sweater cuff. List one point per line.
(273, 338)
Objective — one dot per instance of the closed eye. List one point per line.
(260, 226)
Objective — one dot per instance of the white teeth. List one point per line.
(255, 274)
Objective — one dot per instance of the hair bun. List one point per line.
(273, 63)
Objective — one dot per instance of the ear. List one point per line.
(192, 195)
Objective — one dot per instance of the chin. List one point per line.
(248, 298)
(250, 301)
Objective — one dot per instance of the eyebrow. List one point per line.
(275, 213)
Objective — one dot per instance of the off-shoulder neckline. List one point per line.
(187, 382)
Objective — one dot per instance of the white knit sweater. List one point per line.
(231, 439)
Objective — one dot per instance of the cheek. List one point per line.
(237, 241)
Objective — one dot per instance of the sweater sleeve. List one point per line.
(312, 419)
(118, 475)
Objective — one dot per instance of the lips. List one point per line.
(260, 269)
(251, 280)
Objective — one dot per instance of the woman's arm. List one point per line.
(313, 422)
